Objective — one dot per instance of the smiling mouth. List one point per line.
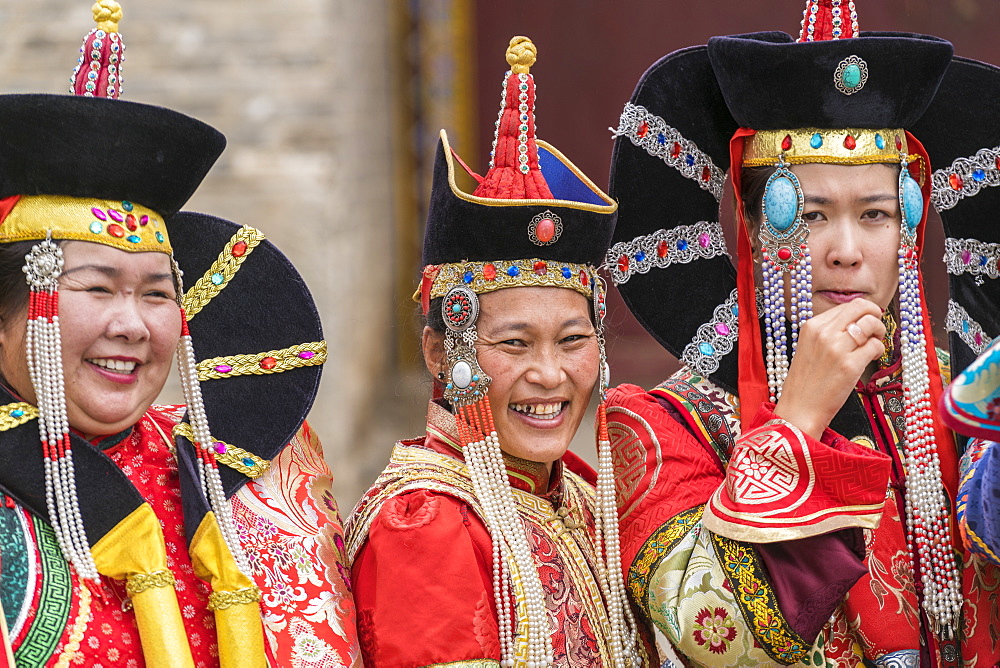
(114, 366)
(541, 411)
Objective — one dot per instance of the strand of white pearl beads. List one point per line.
(776, 344)
(801, 295)
(502, 587)
(926, 506)
(487, 455)
(210, 480)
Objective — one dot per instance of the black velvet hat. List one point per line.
(533, 219)
(257, 338)
(104, 149)
(961, 132)
(672, 152)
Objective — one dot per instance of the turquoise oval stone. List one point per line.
(816, 140)
(96, 227)
(851, 76)
(707, 349)
(218, 279)
(133, 238)
(879, 142)
(17, 413)
(249, 463)
(159, 237)
(456, 308)
(913, 202)
(781, 203)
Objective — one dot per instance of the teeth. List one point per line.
(114, 365)
(540, 411)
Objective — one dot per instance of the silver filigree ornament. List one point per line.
(465, 382)
(545, 229)
(851, 75)
(43, 265)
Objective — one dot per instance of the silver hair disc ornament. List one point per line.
(43, 265)
(460, 308)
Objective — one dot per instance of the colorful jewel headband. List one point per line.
(849, 146)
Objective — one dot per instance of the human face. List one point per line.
(853, 217)
(539, 346)
(120, 325)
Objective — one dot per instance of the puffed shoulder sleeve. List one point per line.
(423, 585)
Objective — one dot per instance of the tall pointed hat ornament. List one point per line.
(53, 189)
(703, 111)
(533, 220)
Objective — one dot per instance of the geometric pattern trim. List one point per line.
(679, 245)
(652, 134)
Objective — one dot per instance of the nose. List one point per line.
(845, 246)
(127, 321)
(546, 369)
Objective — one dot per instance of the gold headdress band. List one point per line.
(847, 146)
(120, 224)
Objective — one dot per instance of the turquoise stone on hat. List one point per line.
(913, 202)
(781, 203)
(851, 76)
(816, 140)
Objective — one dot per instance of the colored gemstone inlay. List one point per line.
(127, 205)
(116, 215)
(116, 230)
(979, 175)
(704, 239)
(218, 279)
(584, 278)
(623, 263)
(816, 141)
(133, 238)
(144, 220)
(675, 150)
(786, 143)
(780, 203)
(979, 338)
(16, 413)
(721, 328)
(467, 277)
(513, 272)
(879, 142)
(541, 268)
(689, 160)
(99, 213)
(249, 463)
(489, 271)
(662, 249)
(682, 244)
(220, 448)
(643, 129)
(851, 76)
(307, 355)
(567, 273)
(268, 363)
(239, 249)
(707, 349)
(966, 257)
(130, 223)
(706, 173)
(956, 182)
(784, 253)
(159, 237)
(850, 143)
(545, 230)
(223, 368)
(899, 143)
(96, 227)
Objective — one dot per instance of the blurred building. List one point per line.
(332, 108)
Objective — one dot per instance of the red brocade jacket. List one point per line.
(288, 524)
(772, 548)
(422, 558)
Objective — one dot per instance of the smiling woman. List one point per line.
(132, 533)
(485, 542)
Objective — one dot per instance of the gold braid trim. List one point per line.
(140, 582)
(808, 145)
(273, 361)
(220, 600)
(14, 415)
(242, 460)
(222, 271)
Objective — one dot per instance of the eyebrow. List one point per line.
(115, 272)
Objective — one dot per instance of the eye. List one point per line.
(99, 289)
(514, 343)
(876, 216)
(574, 338)
(812, 216)
(160, 294)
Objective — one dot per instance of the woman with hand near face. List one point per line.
(131, 534)
(788, 496)
(485, 543)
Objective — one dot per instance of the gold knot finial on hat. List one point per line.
(107, 14)
(521, 54)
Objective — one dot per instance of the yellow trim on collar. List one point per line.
(114, 223)
(808, 145)
(610, 207)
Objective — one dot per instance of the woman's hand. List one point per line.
(834, 349)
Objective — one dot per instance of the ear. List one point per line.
(432, 345)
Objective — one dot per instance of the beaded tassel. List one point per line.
(927, 515)
(98, 70)
(829, 16)
(530, 641)
(209, 472)
(43, 265)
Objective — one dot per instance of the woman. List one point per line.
(484, 543)
(132, 534)
(786, 497)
